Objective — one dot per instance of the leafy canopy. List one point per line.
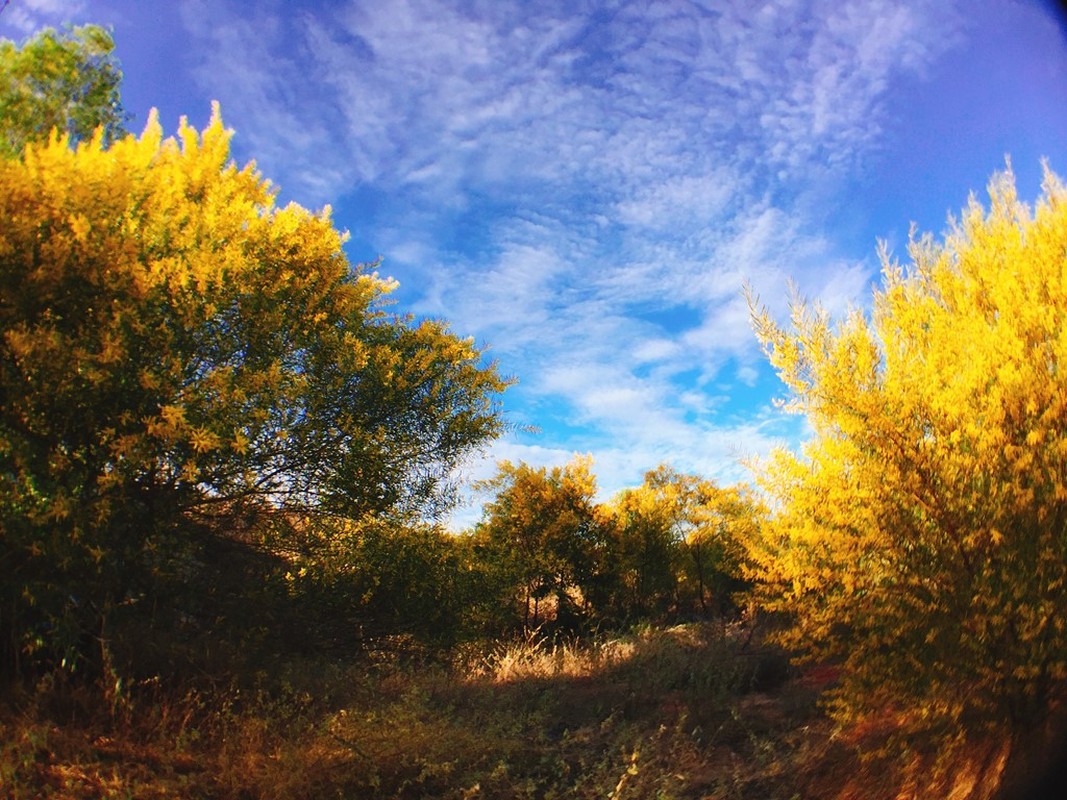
(678, 544)
(921, 537)
(670, 547)
(67, 81)
(176, 348)
(543, 533)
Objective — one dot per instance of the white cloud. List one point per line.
(652, 350)
(29, 16)
(680, 198)
(558, 179)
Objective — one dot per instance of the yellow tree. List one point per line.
(648, 539)
(719, 522)
(174, 349)
(920, 538)
(543, 534)
(680, 543)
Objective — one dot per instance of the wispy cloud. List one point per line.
(27, 16)
(585, 186)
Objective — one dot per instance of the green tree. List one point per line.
(65, 81)
(543, 534)
(178, 355)
(647, 547)
(355, 584)
(920, 538)
(680, 544)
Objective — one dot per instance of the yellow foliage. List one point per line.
(170, 338)
(921, 535)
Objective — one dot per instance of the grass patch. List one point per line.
(686, 712)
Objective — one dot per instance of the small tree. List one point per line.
(718, 523)
(921, 536)
(65, 81)
(542, 533)
(680, 544)
(649, 542)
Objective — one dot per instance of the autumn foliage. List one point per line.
(920, 538)
(182, 361)
(222, 455)
(668, 549)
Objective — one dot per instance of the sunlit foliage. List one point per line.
(680, 544)
(671, 548)
(921, 536)
(542, 537)
(179, 354)
(67, 81)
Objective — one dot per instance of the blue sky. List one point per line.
(585, 187)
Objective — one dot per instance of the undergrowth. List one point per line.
(687, 712)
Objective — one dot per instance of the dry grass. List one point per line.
(687, 712)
